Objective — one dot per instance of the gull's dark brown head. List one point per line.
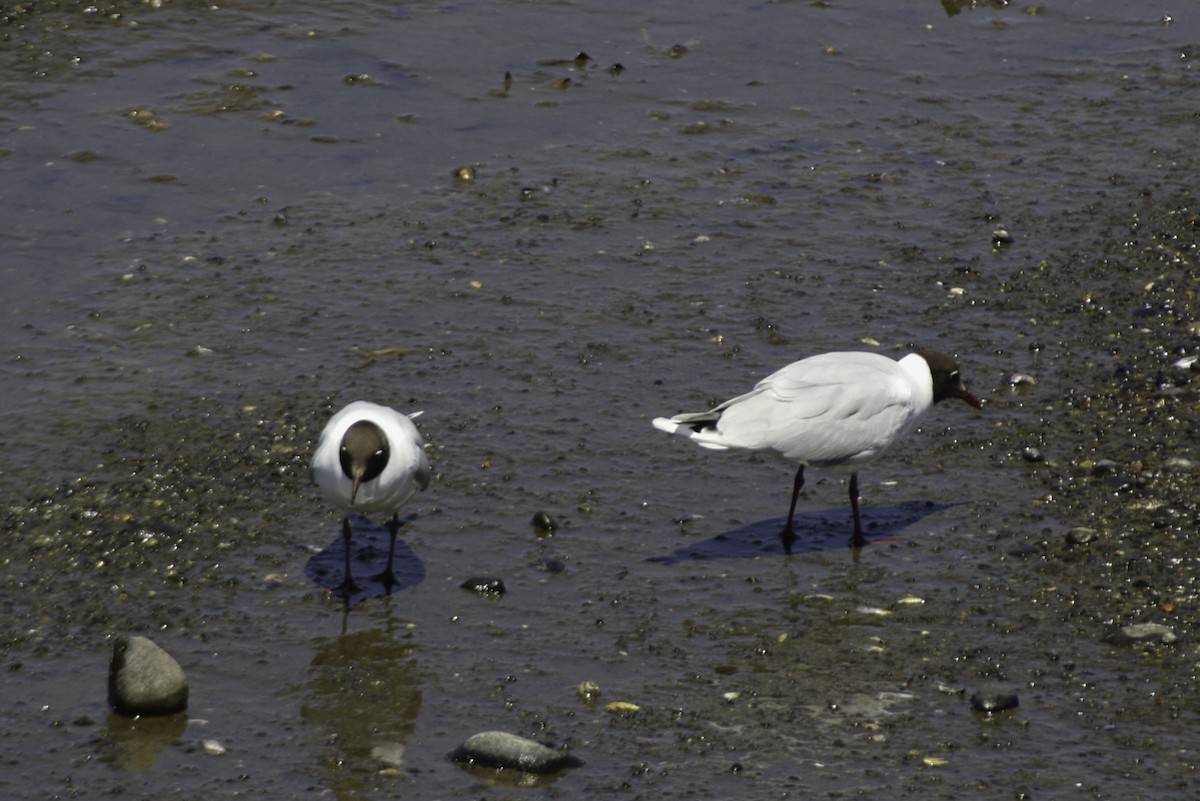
(364, 454)
(947, 380)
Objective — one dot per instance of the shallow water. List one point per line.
(225, 222)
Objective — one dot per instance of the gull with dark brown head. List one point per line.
(370, 459)
(836, 411)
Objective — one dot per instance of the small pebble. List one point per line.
(1143, 632)
(544, 523)
(213, 748)
(1081, 535)
(502, 750)
(1032, 454)
(872, 610)
(1179, 465)
(994, 699)
(1002, 237)
(1021, 379)
(622, 707)
(1104, 467)
(485, 585)
(588, 691)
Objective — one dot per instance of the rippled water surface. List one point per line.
(544, 224)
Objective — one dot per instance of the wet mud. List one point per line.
(189, 307)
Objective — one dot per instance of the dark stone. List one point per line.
(990, 700)
(484, 585)
(544, 522)
(1025, 550)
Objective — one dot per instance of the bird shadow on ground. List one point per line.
(817, 531)
(368, 557)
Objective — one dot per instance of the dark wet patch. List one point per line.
(818, 531)
(369, 545)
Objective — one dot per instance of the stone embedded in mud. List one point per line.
(994, 699)
(143, 679)
(502, 750)
(1179, 465)
(1081, 535)
(588, 691)
(485, 585)
(1032, 454)
(1143, 632)
(551, 565)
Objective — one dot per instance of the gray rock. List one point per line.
(143, 679)
(1143, 632)
(1032, 454)
(499, 749)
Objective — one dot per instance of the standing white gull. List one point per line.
(835, 410)
(370, 458)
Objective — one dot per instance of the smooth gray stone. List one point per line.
(499, 749)
(1143, 632)
(143, 679)
(1081, 535)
